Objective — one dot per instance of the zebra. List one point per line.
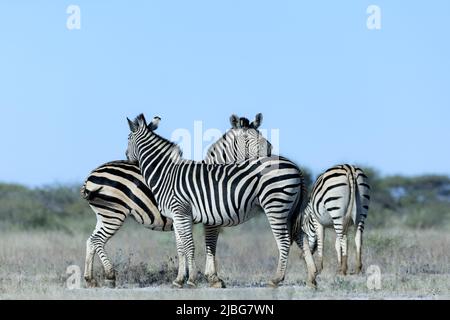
(339, 199)
(116, 190)
(219, 195)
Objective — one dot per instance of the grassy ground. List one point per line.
(415, 264)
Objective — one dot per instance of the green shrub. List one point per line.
(43, 208)
(431, 216)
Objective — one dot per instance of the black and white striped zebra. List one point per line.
(339, 199)
(218, 195)
(242, 142)
(117, 190)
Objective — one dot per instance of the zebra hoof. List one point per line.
(359, 270)
(218, 285)
(340, 273)
(215, 282)
(319, 270)
(311, 284)
(191, 285)
(111, 284)
(274, 284)
(177, 284)
(91, 283)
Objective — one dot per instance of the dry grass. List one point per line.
(414, 264)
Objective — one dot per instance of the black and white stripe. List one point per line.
(117, 190)
(242, 142)
(339, 199)
(217, 195)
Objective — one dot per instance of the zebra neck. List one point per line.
(157, 157)
(225, 150)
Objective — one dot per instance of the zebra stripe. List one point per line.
(340, 198)
(243, 142)
(117, 190)
(217, 194)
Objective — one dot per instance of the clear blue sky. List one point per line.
(337, 91)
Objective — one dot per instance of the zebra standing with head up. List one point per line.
(340, 198)
(218, 195)
(117, 189)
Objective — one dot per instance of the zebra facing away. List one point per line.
(219, 195)
(117, 190)
(339, 199)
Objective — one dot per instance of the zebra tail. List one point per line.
(89, 195)
(352, 206)
(298, 213)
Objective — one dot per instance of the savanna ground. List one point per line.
(415, 264)
(43, 231)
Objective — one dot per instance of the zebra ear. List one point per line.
(141, 121)
(258, 121)
(234, 120)
(133, 126)
(154, 124)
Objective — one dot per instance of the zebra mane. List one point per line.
(226, 137)
(174, 148)
(244, 123)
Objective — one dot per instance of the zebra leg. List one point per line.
(338, 252)
(320, 243)
(282, 237)
(341, 245)
(358, 241)
(102, 234)
(211, 236)
(95, 244)
(181, 262)
(89, 265)
(343, 255)
(183, 225)
(303, 244)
